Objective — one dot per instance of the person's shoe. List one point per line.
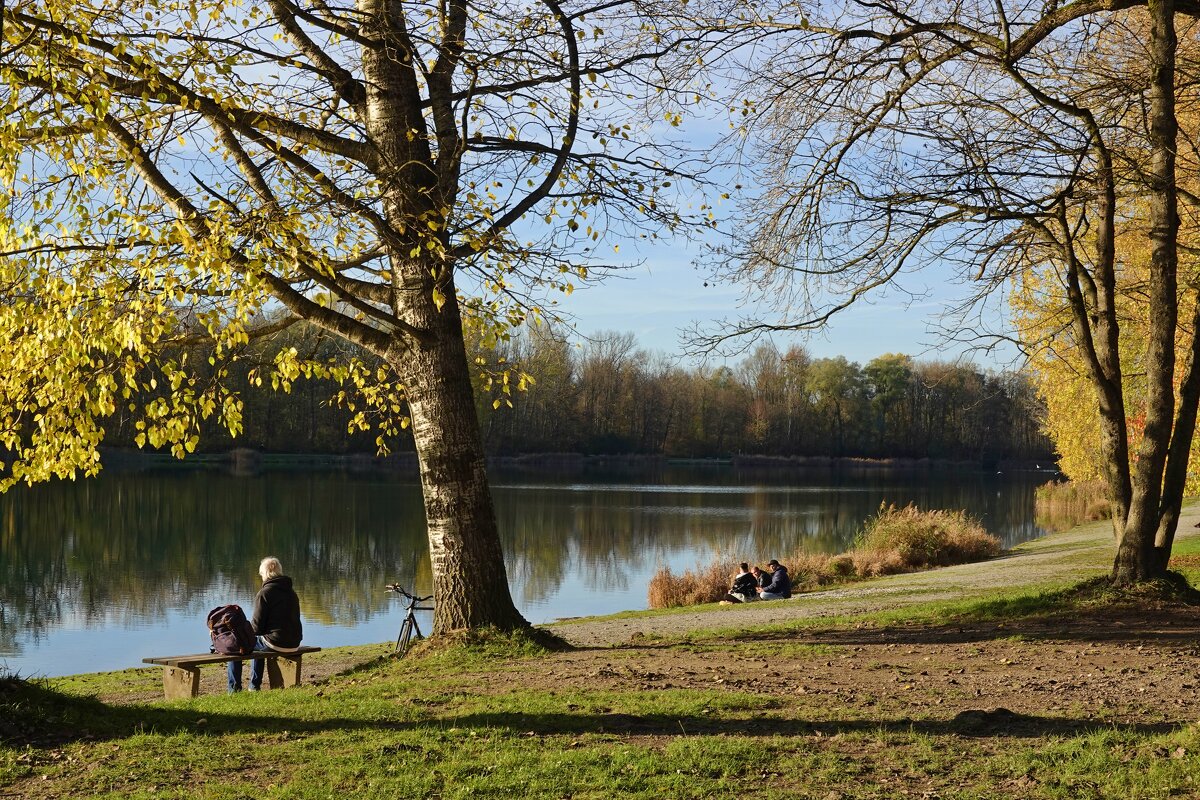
(726, 603)
(255, 688)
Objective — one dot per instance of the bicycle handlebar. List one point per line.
(398, 589)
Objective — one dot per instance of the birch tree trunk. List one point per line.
(470, 581)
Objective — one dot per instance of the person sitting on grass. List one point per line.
(744, 586)
(780, 586)
(761, 578)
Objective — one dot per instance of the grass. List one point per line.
(411, 729)
(896, 540)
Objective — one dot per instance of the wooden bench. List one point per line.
(181, 674)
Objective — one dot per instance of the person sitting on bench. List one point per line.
(276, 622)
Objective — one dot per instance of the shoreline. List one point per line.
(244, 461)
(1053, 561)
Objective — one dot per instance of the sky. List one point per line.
(658, 299)
(668, 290)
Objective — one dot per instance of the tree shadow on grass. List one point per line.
(38, 717)
(1165, 631)
(34, 715)
(1146, 624)
(997, 722)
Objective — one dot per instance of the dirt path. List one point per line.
(1131, 668)
(1058, 559)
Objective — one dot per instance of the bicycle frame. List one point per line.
(409, 627)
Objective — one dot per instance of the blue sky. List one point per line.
(668, 289)
(666, 293)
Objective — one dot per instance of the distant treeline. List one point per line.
(606, 395)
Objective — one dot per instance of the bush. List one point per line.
(874, 563)
(925, 539)
(808, 568)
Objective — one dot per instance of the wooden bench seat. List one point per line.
(181, 674)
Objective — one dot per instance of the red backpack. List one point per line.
(231, 632)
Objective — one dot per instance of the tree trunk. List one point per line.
(1184, 431)
(470, 582)
(1137, 559)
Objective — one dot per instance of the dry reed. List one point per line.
(1064, 504)
(692, 587)
(926, 539)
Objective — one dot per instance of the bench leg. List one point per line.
(179, 682)
(284, 671)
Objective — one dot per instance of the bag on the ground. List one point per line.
(231, 632)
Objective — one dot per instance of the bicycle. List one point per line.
(409, 628)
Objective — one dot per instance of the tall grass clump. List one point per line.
(691, 587)
(898, 540)
(1060, 505)
(924, 539)
(893, 541)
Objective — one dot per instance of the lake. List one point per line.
(97, 574)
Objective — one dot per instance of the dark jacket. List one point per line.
(277, 613)
(780, 583)
(744, 584)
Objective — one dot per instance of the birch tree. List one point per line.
(395, 172)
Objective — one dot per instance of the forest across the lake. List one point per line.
(608, 396)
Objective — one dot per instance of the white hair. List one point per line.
(270, 568)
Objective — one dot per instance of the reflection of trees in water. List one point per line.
(135, 545)
(127, 547)
(32, 586)
(600, 536)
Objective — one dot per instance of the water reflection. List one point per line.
(97, 574)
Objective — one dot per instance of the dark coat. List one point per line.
(780, 583)
(277, 613)
(744, 584)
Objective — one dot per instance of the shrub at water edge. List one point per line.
(927, 538)
(691, 587)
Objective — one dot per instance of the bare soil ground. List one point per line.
(1134, 664)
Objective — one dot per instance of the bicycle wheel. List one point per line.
(405, 635)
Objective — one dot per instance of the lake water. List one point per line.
(97, 574)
